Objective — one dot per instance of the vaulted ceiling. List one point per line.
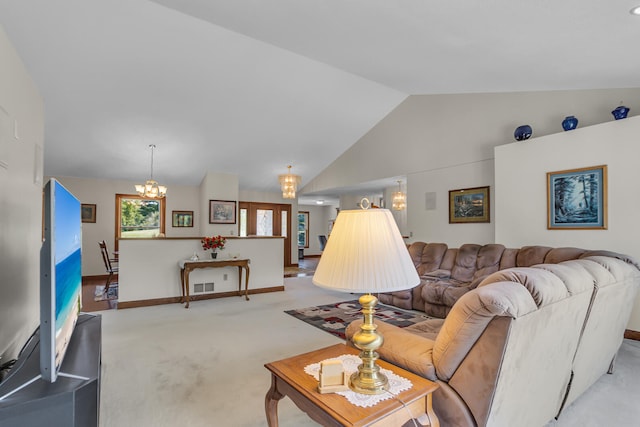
(250, 86)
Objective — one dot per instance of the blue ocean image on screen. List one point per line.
(68, 283)
(68, 260)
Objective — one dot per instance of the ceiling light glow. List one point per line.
(635, 11)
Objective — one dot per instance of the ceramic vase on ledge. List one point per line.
(569, 123)
(620, 112)
(522, 133)
(214, 254)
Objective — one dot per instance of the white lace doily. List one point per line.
(350, 362)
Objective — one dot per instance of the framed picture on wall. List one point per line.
(577, 199)
(88, 212)
(469, 205)
(182, 218)
(222, 212)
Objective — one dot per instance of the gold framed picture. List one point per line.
(469, 205)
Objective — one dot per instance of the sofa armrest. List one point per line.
(402, 348)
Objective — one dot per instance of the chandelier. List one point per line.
(289, 184)
(399, 199)
(151, 189)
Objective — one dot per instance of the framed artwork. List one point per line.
(182, 218)
(469, 205)
(577, 199)
(88, 212)
(222, 212)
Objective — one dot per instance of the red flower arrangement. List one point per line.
(213, 242)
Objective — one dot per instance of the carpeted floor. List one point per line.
(334, 318)
(164, 366)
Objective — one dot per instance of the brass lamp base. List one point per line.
(368, 379)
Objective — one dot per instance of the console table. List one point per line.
(187, 266)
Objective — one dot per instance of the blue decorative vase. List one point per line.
(569, 123)
(522, 132)
(620, 112)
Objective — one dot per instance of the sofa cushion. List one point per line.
(427, 256)
(558, 255)
(427, 329)
(541, 284)
(488, 261)
(531, 255)
(465, 264)
(401, 348)
(474, 310)
(508, 259)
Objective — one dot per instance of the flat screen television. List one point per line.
(60, 276)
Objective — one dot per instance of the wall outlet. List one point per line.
(225, 276)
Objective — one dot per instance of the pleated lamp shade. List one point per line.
(365, 253)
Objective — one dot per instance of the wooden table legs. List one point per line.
(271, 402)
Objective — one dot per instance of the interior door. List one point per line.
(267, 219)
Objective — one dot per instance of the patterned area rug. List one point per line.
(111, 294)
(334, 318)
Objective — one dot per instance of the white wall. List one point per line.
(432, 225)
(319, 217)
(149, 267)
(21, 111)
(214, 186)
(446, 142)
(218, 186)
(521, 189)
(102, 193)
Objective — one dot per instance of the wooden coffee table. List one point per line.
(289, 379)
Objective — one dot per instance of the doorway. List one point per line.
(267, 219)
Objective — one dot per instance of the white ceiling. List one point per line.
(250, 86)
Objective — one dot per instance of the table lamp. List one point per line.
(365, 254)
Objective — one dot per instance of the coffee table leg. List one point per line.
(271, 402)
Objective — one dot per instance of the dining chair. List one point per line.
(323, 241)
(108, 264)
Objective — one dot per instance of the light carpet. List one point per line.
(166, 366)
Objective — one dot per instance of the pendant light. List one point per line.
(151, 189)
(289, 184)
(399, 199)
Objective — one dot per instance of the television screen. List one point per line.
(60, 276)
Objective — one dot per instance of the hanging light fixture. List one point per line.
(399, 199)
(289, 184)
(151, 189)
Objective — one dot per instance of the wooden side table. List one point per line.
(289, 379)
(188, 266)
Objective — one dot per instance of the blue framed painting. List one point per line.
(577, 199)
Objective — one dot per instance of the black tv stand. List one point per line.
(73, 400)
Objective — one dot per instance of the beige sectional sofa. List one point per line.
(523, 342)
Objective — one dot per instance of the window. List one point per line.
(242, 224)
(139, 217)
(264, 222)
(303, 229)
